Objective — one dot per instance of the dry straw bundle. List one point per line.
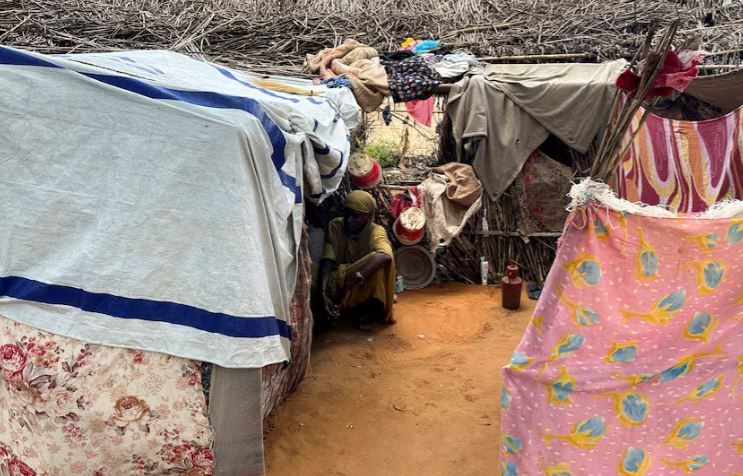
(274, 35)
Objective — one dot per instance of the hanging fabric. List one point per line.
(684, 166)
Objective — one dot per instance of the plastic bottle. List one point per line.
(399, 284)
(483, 271)
(511, 288)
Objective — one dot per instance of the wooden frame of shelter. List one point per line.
(505, 241)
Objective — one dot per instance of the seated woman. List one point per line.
(358, 267)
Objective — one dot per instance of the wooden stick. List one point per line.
(475, 29)
(707, 67)
(542, 234)
(392, 187)
(706, 28)
(18, 25)
(608, 157)
(562, 56)
(724, 52)
(274, 36)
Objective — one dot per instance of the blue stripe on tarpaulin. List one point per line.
(143, 309)
(340, 164)
(321, 151)
(16, 57)
(199, 98)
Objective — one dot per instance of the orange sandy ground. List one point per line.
(421, 397)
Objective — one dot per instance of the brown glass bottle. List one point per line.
(511, 288)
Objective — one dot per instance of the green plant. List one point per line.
(385, 152)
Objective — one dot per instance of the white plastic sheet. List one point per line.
(153, 201)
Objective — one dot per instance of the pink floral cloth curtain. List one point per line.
(632, 362)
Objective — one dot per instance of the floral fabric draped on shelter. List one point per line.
(77, 408)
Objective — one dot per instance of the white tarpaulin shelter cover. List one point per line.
(154, 201)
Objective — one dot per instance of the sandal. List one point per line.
(534, 290)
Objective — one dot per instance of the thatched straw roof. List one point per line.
(274, 35)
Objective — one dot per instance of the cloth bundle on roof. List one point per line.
(676, 74)
(395, 55)
(370, 85)
(419, 46)
(684, 166)
(425, 46)
(349, 52)
(631, 363)
(450, 197)
(360, 65)
(411, 78)
(451, 70)
(403, 77)
(368, 79)
(512, 109)
(455, 65)
(165, 216)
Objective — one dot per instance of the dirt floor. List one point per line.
(418, 398)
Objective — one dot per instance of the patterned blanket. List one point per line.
(685, 166)
(74, 408)
(632, 362)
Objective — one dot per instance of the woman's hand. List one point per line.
(330, 307)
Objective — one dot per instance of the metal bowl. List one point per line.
(416, 266)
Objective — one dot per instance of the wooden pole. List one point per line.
(723, 52)
(475, 29)
(542, 234)
(707, 67)
(561, 56)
